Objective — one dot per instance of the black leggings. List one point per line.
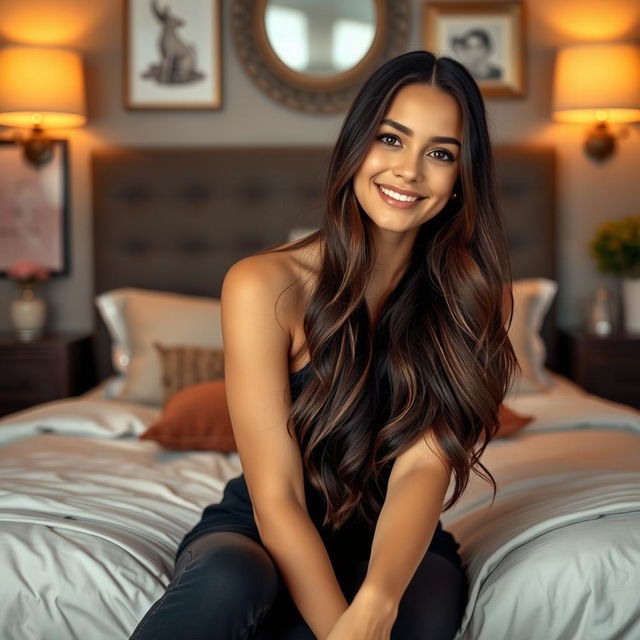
(227, 587)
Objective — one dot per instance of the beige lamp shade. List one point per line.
(597, 83)
(41, 86)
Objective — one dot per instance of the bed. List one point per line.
(90, 514)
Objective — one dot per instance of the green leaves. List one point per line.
(616, 247)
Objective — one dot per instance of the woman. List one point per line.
(364, 367)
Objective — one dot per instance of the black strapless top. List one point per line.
(234, 513)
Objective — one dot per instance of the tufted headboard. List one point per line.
(175, 219)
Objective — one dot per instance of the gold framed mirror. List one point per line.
(312, 55)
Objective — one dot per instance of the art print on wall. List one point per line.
(34, 222)
(172, 54)
(486, 37)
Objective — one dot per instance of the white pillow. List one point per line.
(83, 416)
(136, 318)
(532, 298)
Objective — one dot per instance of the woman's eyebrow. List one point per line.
(409, 132)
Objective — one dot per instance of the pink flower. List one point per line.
(25, 271)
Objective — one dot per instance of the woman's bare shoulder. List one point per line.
(288, 276)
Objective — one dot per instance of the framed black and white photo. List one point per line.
(34, 209)
(172, 54)
(486, 37)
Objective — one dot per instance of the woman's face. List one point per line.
(409, 171)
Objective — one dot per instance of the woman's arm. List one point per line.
(256, 345)
(417, 487)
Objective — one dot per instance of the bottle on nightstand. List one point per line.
(600, 319)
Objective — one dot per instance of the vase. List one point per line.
(28, 314)
(631, 304)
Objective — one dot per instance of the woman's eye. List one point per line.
(442, 154)
(387, 138)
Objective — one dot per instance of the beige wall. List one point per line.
(588, 193)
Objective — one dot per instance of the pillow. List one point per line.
(532, 298)
(511, 421)
(136, 318)
(196, 417)
(183, 366)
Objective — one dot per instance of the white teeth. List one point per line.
(397, 196)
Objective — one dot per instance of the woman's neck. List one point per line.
(392, 256)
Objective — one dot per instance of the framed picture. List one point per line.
(486, 37)
(172, 54)
(34, 209)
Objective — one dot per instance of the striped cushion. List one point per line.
(186, 365)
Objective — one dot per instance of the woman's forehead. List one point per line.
(422, 107)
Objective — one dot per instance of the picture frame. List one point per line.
(34, 209)
(487, 37)
(172, 54)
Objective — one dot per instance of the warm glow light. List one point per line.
(51, 24)
(591, 20)
(597, 83)
(41, 86)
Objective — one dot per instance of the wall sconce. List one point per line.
(597, 83)
(40, 88)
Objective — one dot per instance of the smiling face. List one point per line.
(410, 169)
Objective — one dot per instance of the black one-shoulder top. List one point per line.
(234, 513)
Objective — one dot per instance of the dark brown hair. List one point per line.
(443, 361)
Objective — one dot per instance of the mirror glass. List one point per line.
(320, 37)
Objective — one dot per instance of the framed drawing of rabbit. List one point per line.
(172, 54)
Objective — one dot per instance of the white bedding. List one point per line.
(89, 523)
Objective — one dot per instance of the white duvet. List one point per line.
(90, 518)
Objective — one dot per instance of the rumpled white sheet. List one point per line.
(547, 481)
(89, 528)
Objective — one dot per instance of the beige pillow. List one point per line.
(136, 318)
(183, 366)
(532, 298)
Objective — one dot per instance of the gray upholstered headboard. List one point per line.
(175, 219)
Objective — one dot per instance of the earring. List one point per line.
(454, 195)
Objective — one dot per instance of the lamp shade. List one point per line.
(597, 82)
(41, 86)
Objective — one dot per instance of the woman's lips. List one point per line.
(398, 204)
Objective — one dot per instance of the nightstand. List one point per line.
(53, 367)
(607, 366)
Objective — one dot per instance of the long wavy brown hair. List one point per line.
(440, 360)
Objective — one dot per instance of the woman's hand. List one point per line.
(366, 619)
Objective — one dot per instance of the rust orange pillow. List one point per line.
(511, 421)
(195, 417)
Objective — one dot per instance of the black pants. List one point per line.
(227, 587)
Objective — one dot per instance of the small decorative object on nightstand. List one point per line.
(607, 366)
(28, 312)
(50, 368)
(616, 248)
(601, 313)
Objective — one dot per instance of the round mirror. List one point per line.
(313, 54)
(320, 38)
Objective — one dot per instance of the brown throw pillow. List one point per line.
(185, 365)
(196, 417)
(511, 421)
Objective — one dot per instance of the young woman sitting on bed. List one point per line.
(364, 368)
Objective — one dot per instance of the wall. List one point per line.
(587, 193)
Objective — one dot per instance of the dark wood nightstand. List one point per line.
(606, 366)
(53, 367)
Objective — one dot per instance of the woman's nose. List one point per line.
(408, 168)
